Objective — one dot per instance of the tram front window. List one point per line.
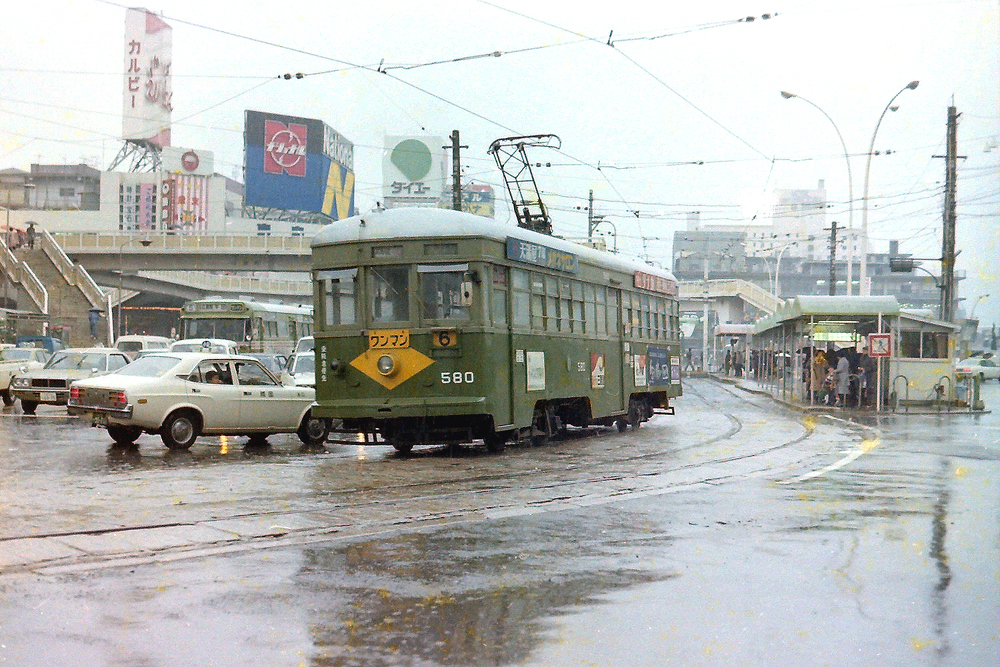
(390, 295)
(229, 329)
(445, 296)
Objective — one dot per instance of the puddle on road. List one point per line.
(475, 594)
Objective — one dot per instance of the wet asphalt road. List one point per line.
(735, 533)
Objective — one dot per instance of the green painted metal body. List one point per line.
(571, 343)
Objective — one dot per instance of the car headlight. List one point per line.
(21, 383)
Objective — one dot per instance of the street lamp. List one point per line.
(850, 191)
(972, 315)
(614, 232)
(863, 274)
(121, 275)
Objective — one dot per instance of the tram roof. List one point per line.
(414, 223)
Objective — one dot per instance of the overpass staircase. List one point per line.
(744, 290)
(60, 291)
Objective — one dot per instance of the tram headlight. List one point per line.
(386, 365)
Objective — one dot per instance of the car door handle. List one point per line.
(194, 390)
(248, 393)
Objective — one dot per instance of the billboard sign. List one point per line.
(413, 171)
(184, 203)
(148, 93)
(299, 164)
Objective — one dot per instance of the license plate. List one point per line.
(98, 419)
(47, 397)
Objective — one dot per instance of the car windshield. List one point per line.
(305, 363)
(151, 366)
(77, 360)
(14, 354)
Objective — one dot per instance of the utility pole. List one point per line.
(948, 253)
(833, 258)
(590, 218)
(456, 171)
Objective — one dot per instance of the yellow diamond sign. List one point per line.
(396, 367)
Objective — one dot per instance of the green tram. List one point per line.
(435, 326)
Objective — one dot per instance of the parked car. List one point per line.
(46, 342)
(50, 384)
(301, 370)
(207, 345)
(17, 360)
(181, 396)
(985, 368)
(272, 362)
(135, 345)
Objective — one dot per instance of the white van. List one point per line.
(135, 345)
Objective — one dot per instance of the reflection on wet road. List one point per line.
(735, 533)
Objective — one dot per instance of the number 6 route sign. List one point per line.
(879, 345)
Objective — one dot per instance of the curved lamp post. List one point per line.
(863, 274)
(121, 275)
(850, 189)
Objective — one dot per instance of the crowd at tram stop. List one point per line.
(834, 378)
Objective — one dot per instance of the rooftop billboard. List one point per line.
(413, 171)
(299, 164)
(148, 94)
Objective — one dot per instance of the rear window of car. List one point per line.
(152, 366)
(15, 354)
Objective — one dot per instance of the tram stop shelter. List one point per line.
(897, 358)
(736, 339)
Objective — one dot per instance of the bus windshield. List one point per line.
(228, 328)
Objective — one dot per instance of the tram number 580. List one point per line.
(458, 377)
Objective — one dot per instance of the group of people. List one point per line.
(16, 238)
(838, 378)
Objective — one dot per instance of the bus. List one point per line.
(256, 326)
(440, 327)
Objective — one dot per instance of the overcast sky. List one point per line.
(681, 112)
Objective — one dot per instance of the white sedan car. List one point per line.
(15, 360)
(986, 369)
(180, 396)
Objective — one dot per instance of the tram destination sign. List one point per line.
(648, 281)
(535, 253)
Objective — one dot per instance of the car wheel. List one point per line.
(313, 430)
(8, 398)
(28, 406)
(124, 435)
(180, 430)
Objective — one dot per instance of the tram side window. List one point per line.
(565, 305)
(579, 320)
(613, 308)
(590, 308)
(602, 310)
(338, 297)
(537, 302)
(551, 303)
(520, 298)
(499, 294)
(445, 295)
(390, 294)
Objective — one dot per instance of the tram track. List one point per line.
(588, 477)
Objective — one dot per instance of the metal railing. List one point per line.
(73, 273)
(92, 242)
(753, 294)
(20, 273)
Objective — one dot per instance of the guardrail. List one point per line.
(21, 273)
(92, 242)
(231, 283)
(751, 293)
(74, 273)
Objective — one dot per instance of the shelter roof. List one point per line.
(829, 306)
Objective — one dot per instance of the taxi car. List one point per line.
(15, 360)
(985, 368)
(181, 396)
(50, 384)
